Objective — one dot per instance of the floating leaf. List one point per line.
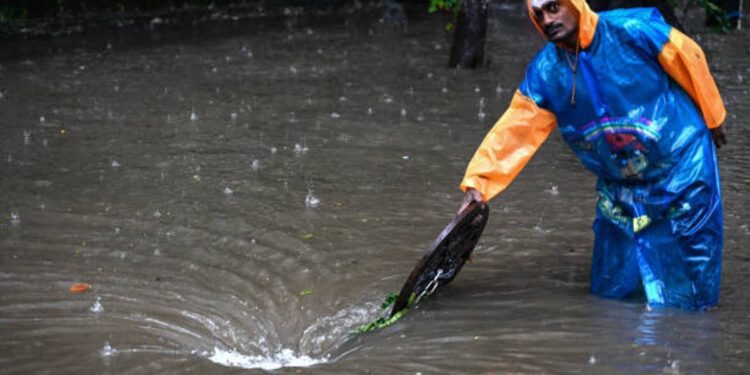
(79, 287)
(305, 292)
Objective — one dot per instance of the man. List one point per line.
(634, 99)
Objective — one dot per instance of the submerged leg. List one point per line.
(614, 268)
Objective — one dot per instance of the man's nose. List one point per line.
(547, 19)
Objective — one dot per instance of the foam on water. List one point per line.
(284, 358)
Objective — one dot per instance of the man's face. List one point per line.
(557, 18)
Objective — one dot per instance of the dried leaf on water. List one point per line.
(79, 288)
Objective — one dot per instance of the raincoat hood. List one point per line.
(587, 20)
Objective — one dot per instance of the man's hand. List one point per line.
(472, 195)
(719, 136)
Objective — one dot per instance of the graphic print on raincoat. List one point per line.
(644, 104)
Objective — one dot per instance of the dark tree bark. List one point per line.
(663, 6)
(469, 35)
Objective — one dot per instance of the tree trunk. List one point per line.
(469, 35)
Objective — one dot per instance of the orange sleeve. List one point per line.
(508, 147)
(684, 61)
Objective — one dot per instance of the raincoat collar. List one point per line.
(586, 22)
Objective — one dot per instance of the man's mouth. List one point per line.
(551, 30)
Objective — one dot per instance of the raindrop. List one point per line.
(228, 191)
(233, 116)
(310, 200)
(592, 360)
(193, 116)
(293, 69)
(274, 150)
(335, 115)
(97, 307)
(499, 89)
(115, 164)
(406, 157)
(41, 119)
(157, 214)
(14, 217)
(107, 350)
(157, 252)
(256, 163)
(403, 112)
(369, 110)
(477, 89)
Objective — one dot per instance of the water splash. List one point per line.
(15, 218)
(255, 166)
(97, 307)
(228, 191)
(193, 116)
(299, 149)
(311, 201)
(107, 350)
(115, 164)
(284, 358)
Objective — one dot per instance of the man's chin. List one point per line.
(557, 38)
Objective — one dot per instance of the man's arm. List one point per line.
(506, 149)
(685, 62)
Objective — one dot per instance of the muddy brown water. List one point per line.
(241, 199)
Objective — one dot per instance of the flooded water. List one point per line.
(242, 197)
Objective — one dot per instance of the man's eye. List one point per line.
(553, 7)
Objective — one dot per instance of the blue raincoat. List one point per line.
(637, 111)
